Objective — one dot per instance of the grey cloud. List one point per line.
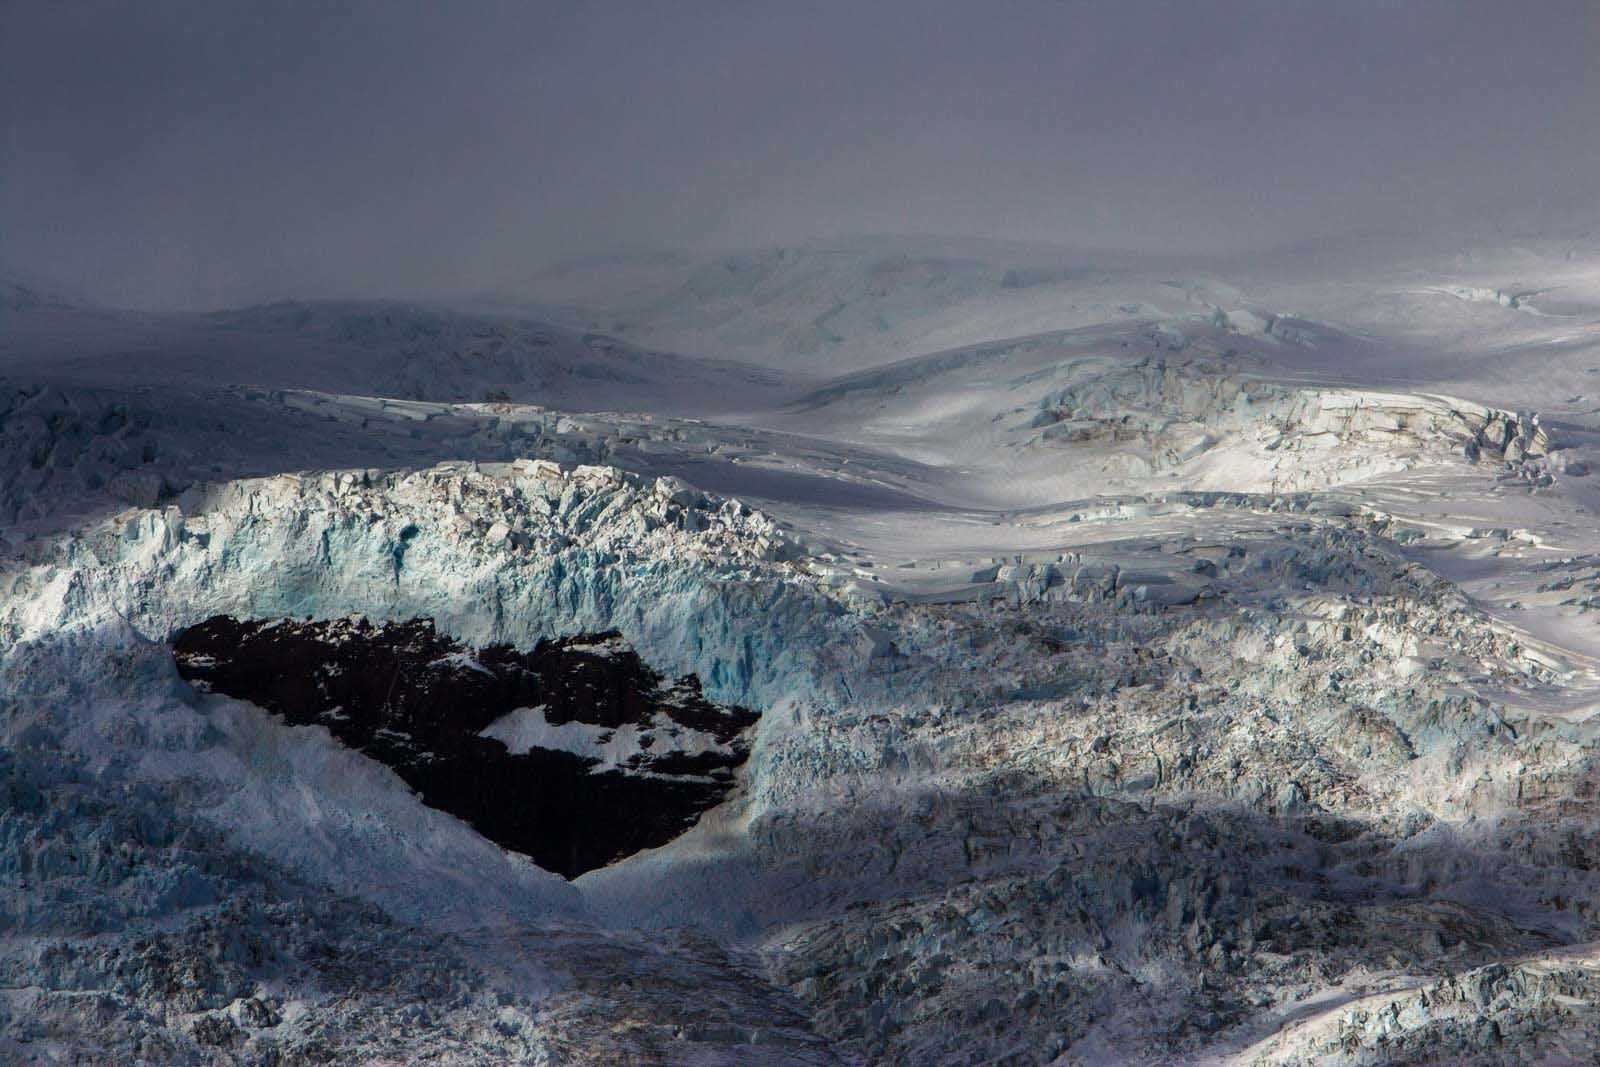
(191, 154)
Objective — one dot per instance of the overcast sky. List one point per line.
(165, 153)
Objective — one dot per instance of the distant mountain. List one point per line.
(371, 348)
(830, 308)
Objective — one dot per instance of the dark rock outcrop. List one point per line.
(589, 755)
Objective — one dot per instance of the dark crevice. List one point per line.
(621, 759)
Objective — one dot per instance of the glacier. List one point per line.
(1144, 673)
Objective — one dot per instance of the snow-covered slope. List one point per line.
(837, 306)
(1206, 679)
(832, 306)
(398, 350)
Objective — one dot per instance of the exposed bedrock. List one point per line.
(575, 753)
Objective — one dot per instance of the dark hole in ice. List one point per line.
(621, 759)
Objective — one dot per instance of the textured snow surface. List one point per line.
(1155, 664)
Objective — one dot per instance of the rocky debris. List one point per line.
(655, 756)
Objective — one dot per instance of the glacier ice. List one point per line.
(1145, 674)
